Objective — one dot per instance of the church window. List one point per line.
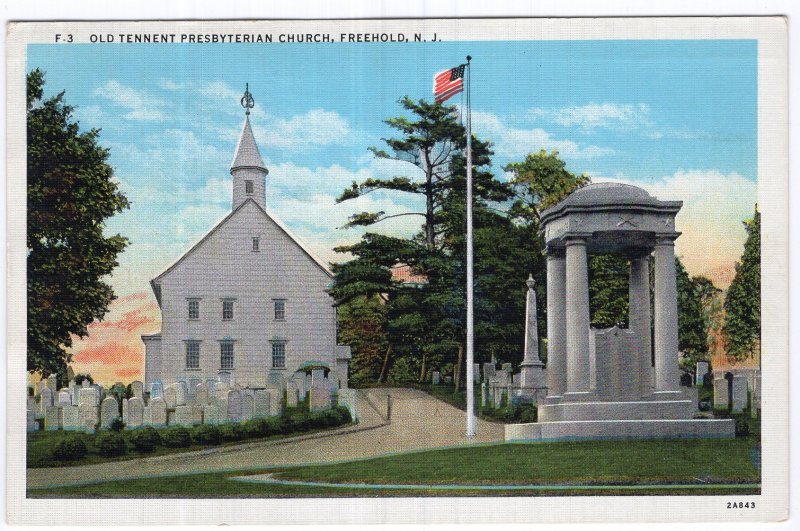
(279, 354)
(255, 245)
(227, 309)
(280, 309)
(194, 308)
(192, 354)
(248, 187)
(226, 355)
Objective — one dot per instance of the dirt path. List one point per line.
(418, 421)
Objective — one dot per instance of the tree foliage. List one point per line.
(71, 192)
(742, 326)
(692, 323)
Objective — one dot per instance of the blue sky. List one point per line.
(677, 117)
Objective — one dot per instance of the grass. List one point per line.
(41, 444)
(640, 464)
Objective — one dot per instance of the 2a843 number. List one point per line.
(741, 505)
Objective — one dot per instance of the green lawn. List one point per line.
(641, 464)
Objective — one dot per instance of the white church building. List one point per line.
(248, 302)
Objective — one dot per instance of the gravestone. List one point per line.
(700, 370)
(201, 394)
(317, 375)
(109, 410)
(156, 389)
(170, 396)
(721, 393)
(485, 394)
(225, 377)
(320, 398)
(261, 403)
(158, 412)
(234, 406)
(52, 383)
(52, 418)
(73, 391)
(488, 371)
(183, 416)
(137, 389)
(181, 393)
(210, 414)
(506, 368)
(46, 400)
(134, 412)
(212, 389)
(30, 418)
(476, 372)
(193, 383)
(222, 389)
(39, 387)
(89, 415)
(436, 378)
(86, 383)
(197, 414)
(248, 406)
(64, 398)
(70, 418)
(739, 394)
(291, 394)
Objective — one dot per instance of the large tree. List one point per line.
(71, 192)
(742, 327)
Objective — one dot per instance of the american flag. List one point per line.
(448, 83)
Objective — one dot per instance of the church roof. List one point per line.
(247, 154)
(155, 283)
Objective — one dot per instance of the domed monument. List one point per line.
(614, 382)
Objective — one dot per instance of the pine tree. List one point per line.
(71, 192)
(742, 326)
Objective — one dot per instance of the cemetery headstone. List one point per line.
(225, 377)
(137, 389)
(261, 403)
(739, 394)
(30, 418)
(181, 393)
(197, 414)
(183, 416)
(73, 391)
(721, 393)
(134, 412)
(109, 410)
(320, 398)
(701, 368)
(436, 378)
(89, 415)
(52, 383)
(211, 414)
(158, 411)
(347, 398)
(248, 406)
(170, 396)
(52, 418)
(476, 372)
(234, 406)
(46, 400)
(201, 394)
(291, 394)
(156, 389)
(64, 398)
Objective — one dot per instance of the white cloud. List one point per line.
(714, 206)
(516, 142)
(593, 115)
(141, 106)
(168, 84)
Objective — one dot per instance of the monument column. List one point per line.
(666, 315)
(640, 319)
(577, 309)
(556, 323)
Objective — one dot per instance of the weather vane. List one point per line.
(247, 100)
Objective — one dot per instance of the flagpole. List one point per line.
(471, 424)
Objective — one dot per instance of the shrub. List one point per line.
(231, 432)
(117, 425)
(206, 434)
(742, 427)
(145, 439)
(259, 428)
(176, 437)
(704, 405)
(70, 449)
(110, 443)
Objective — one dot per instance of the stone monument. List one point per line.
(599, 381)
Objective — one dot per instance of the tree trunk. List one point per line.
(457, 375)
(423, 369)
(430, 235)
(382, 376)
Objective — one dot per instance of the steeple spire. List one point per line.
(248, 168)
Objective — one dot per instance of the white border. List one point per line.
(773, 200)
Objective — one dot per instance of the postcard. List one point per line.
(398, 271)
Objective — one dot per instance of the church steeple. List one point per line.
(247, 168)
